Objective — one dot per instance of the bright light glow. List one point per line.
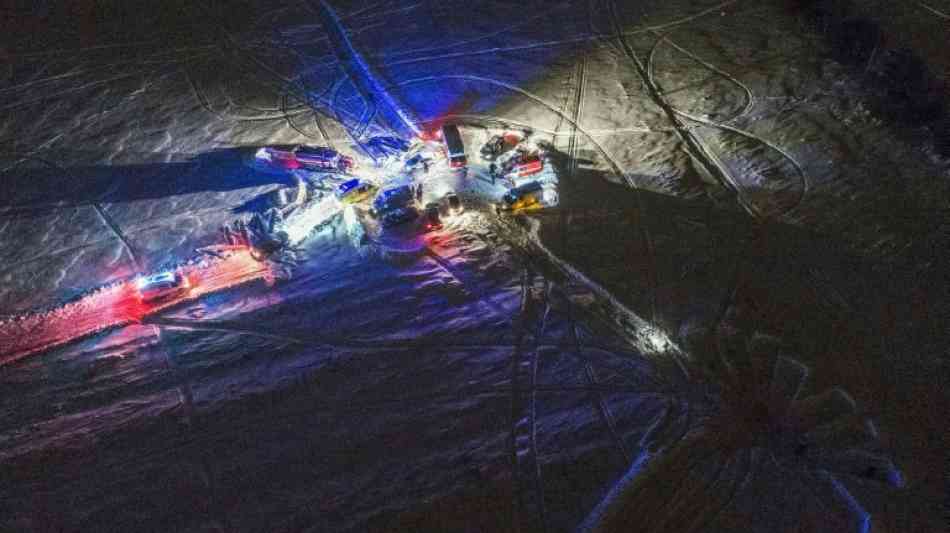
(301, 222)
(262, 153)
(145, 281)
(659, 340)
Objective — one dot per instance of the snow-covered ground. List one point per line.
(500, 374)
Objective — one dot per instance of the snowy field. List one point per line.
(729, 323)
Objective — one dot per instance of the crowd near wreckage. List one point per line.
(267, 240)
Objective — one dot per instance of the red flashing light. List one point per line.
(531, 167)
(431, 135)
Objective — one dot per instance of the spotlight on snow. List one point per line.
(302, 222)
(353, 226)
(659, 341)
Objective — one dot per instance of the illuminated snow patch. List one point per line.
(302, 222)
(658, 340)
(354, 228)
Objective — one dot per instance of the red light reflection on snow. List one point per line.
(120, 305)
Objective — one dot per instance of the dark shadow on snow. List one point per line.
(35, 186)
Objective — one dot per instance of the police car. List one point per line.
(162, 286)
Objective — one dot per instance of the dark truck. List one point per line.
(393, 198)
(454, 149)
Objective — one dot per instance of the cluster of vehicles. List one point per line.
(516, 164)
(398, 204)
(531, 195)
(519, 166)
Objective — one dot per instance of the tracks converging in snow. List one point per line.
(576, 107)
(697, 147)
(523, 440)
(535, 316)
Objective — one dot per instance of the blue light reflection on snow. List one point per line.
(613, 496)
(862, 517)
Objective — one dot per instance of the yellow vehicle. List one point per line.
(354, 191)
(528, 196)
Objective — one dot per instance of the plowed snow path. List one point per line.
(116, 306)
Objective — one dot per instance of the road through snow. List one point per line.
(119, 305)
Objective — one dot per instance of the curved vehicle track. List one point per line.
(206, 105)
(661, 38)
(803, 177)
(724, 124)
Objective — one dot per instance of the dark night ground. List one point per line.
(206, 430)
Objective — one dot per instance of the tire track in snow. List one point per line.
(206, 105)
(723, 125)
(551, 43)
(597, 398)
(99, 211)
(186, 397)
(594, 37)
(348, 343)
(576, 115)
(523, 431)
(467, 285)
(483, 121)
(695, 147)
(108, 220)
(580, 85)
(805, 182)
(362, 75)
(289, 119)
(934, 11)
(664, 38)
